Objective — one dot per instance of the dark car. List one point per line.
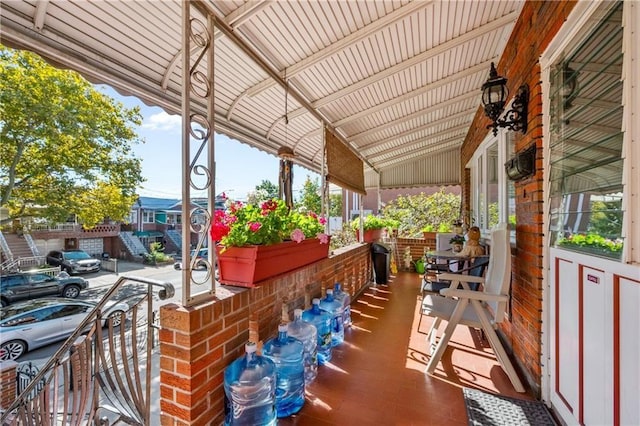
(73, 261)
(29, 325)
(24, 286)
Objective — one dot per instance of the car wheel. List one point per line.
(67, 269)
(116, 318)
(71, 291)
(12, 350)
(3, 303)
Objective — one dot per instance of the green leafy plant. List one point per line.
(444, 227)
(428, 228)
(370, 222)
(592, 243)
(268, 223)
(157, 255)
(457, 239)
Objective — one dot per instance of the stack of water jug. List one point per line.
(262, 388)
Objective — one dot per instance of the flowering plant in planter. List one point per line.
(269, 223)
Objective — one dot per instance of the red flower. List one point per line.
(255, 226)
(219, 227)
(313, 215)
(235, 206)
(322, 221)
(268, 207)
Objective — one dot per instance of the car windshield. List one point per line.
(76, 255)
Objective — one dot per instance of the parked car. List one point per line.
(201, 259)
(73, 261)
(29, 325)
(25, 286)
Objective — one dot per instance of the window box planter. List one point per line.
(250, 265)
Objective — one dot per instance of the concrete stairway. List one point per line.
(18, 245)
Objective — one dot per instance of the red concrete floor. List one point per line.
(376, 377)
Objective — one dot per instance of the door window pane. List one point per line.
(586, 163)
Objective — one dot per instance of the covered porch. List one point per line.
(393, 87)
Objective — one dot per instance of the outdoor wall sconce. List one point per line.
(494, 97)
(522, 165)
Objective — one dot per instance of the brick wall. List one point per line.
(536, 27)
(8, 383)
(197, 343)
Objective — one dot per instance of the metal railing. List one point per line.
(32, 245)
(4, 247)
(21, 263)
(102, 373)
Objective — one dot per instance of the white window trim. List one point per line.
(503, 209)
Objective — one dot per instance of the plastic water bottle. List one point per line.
(250, 388)
(288, 354)
(308, 335)
(345, 299)
(321, 319)
(334, 307)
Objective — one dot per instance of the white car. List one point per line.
(29, 325)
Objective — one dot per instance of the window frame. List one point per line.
(480, 182)
(566, 37)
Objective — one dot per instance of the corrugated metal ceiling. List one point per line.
(399, 80)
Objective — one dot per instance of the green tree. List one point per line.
(414, 212)
(264, 191)
(66, 147)
(310, 196)
(335, 205)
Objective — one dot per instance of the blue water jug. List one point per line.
(250, 389)
(288, 354)
(321, 319)
(345, 299)
(334, 307)
(308, 335)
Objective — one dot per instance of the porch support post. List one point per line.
(198, 172)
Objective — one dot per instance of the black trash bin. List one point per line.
(380, 255)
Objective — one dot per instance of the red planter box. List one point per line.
(370, 235)
(247, 266)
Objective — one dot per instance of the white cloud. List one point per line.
(162, 122)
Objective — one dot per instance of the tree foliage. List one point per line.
(415, 212)
(310, 197)
(66, 147)
(264, 191)
(335, 205)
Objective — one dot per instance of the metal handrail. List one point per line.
(4, 247)
(96, 376)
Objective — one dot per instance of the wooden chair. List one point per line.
(483, 309)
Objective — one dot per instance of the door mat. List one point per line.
(485, 409)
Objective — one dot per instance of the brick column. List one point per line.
(8, 383)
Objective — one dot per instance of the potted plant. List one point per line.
(429, 232)
(373, 227)
(255, 243)
(457, 242)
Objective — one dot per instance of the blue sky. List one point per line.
(239, 167)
